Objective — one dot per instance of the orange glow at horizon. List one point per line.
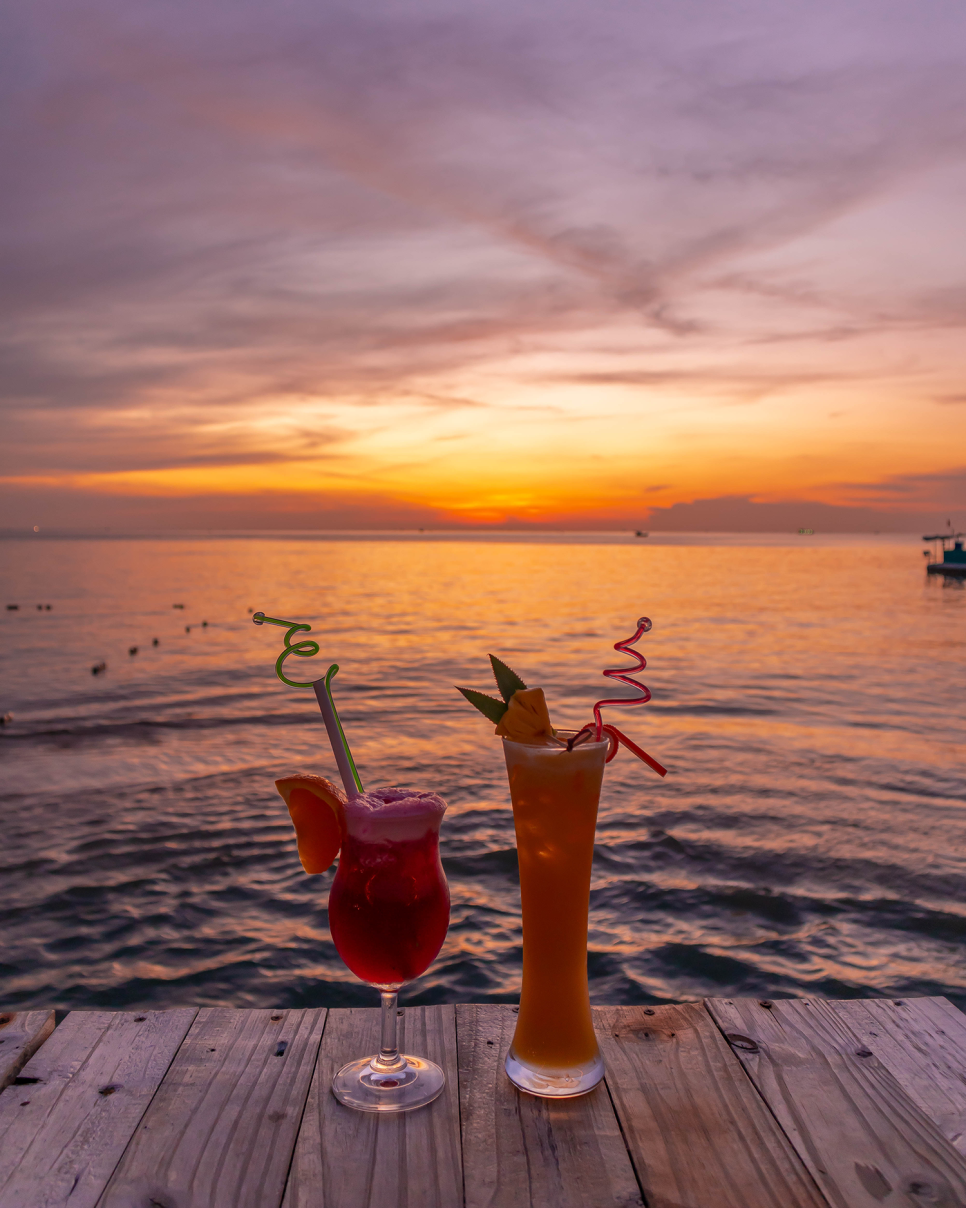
(536, 453)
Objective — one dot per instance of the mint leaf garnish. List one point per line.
(507, 679)
(489, 706)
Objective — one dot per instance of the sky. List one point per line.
(579, 264)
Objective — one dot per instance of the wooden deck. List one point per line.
(796, 1103)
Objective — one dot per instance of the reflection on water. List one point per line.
(808, 838)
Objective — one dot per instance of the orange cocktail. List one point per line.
(555, 778)
(555, 793)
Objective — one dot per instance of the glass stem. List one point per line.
(388, 1058)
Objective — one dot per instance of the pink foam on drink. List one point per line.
(391, 815)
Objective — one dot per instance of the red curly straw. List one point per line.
(621, 673)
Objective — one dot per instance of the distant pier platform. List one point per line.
(726, 1103)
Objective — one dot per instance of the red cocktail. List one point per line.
(388, 915)
(389, 903)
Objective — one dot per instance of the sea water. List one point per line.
(807, 701)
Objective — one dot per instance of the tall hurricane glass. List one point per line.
(388, 915)
(555, 794)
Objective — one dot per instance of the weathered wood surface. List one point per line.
(351, 1159)
(66, 1120)
(221, 1130)
(863, 1138)
(520, 1151)
(698, 1132)
(21, 1035)
(922, 1042)
(812, 1103)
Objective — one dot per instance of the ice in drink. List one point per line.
(555, 793)
(555, 779)
(389, 902)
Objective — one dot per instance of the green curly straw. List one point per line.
(305, 649)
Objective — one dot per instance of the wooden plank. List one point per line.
(221, 1130)
(864, 1140)
(520, 1151)
(65, 1121)
(922, 1042)
(351, 1159)
(699, 1134)
(21, 1035)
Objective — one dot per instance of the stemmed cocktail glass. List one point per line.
(388, 915)
(389, 902)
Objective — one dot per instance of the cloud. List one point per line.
(740, 513)
(118, 511)
(904, 503)
(85, 511)
(944, 489)
(349, 217)
(734, 383)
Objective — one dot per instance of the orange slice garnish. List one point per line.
(315, 805)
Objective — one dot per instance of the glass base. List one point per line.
(554, 1084)
(363, 1085)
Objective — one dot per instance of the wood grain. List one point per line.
(21, 1035)
(65, 1121)
(520, 1151)
(698, 1132)
(352, 1159)
(922, 1042)
(864, 1140)
(221, 1130)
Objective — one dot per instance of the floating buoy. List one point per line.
(204, 624)
(187, 628)
(132, 649)
(154, 642)
(40, 608)
(47, 607)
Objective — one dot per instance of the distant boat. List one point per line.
(954, 558)
(641, 533)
